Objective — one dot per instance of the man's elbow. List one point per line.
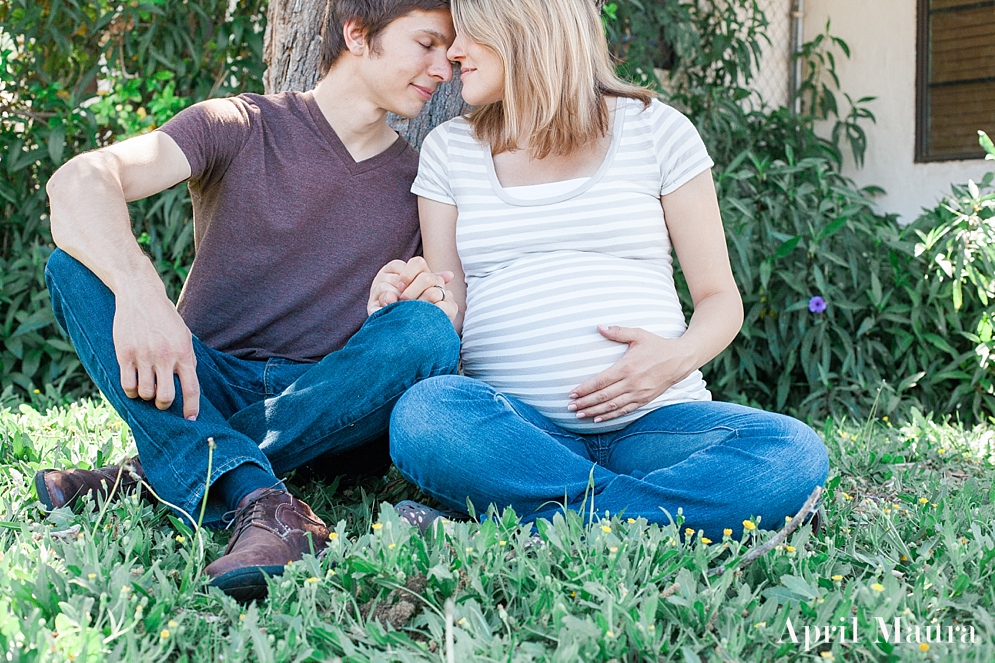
(70, 183)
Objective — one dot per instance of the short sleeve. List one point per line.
(680, 150)
(210, 134)
(433, 181)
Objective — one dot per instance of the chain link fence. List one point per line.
(773, 82)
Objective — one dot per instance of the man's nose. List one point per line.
(441, 69)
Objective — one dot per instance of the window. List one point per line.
(955, 95)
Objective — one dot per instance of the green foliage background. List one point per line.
(156, 58)
(909, 318)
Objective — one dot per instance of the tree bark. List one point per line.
(292, 51)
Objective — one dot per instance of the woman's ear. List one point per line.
(355, 37)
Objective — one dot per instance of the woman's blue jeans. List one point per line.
(720, 464)
(276, 413)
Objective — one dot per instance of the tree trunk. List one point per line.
(292, 50)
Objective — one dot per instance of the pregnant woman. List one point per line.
(557, 203)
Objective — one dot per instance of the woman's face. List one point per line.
(482, 73)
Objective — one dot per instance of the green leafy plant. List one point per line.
(77, 75)
(955, 249)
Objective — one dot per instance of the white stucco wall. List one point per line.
(882, 37)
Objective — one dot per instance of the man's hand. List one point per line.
(406, 281)
(153, 344)
(648, 368)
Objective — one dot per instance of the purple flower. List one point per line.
(817, 304)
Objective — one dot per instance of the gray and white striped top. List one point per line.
(546, 264)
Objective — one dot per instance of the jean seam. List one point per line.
(735, 431)
(507, 401)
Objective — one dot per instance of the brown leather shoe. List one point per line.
(59, 488)
(272, 529)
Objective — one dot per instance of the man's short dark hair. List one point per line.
(373, 15)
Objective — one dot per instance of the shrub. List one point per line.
(74, 76)
(887, 329)
(955, 316)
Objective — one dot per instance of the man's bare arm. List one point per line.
(90, 222)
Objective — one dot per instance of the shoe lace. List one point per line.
(243, 517)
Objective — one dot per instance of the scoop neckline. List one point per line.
(507, 197)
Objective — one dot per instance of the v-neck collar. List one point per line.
(334, 142)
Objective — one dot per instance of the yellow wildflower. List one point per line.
(828, 655)
(748, 524)
(172, 623)
(847, 496)
(877, 587)
(923, 646)
(613, 549)
(332, 536)
(790, 549)
(727, 532)
(837, 578)
(377, 526)
(610, 634)
(941, 451)
(688, 532)
(923, 500)
(760, 625)
(705, 540)
(630, 520)
(502, 542)
(312, 580)
(163, 634)
(469, 549)
(606, 529)
(91, 576)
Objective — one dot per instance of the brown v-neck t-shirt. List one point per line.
(289, 230)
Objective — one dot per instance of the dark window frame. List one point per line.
(923, 86)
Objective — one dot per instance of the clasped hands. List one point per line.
(408, 281)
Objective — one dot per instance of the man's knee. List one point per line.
(423, 337)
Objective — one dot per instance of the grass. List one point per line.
(911, 514)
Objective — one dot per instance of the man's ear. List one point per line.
(355, 37)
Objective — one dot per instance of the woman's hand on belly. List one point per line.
(649, 367)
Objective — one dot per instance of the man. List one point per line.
(268, 361)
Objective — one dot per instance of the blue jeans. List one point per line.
(276, 413)
(459, 439)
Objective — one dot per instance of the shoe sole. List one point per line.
(246, 584)
(43, 495)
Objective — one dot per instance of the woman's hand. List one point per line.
(648, 368)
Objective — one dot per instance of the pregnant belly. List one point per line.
(530, 329)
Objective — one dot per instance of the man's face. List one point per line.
(410, 62)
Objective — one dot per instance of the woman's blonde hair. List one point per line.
(557, 72)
